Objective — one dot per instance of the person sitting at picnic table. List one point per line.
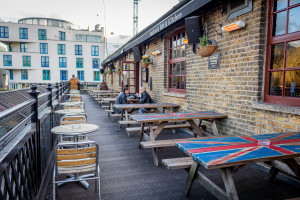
(145, 98)
(121, 99)
(74, 82)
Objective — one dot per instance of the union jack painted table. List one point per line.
(227, 152)
(164, 118)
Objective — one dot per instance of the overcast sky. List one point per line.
(118, 13)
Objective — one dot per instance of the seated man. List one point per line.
(145, 98)
(121, 99)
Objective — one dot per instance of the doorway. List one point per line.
(130, 75)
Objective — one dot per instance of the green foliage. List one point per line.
(145, 59)
(108, 71)
(119, 69)
(203, 40)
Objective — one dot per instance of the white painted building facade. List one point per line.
(50, 53)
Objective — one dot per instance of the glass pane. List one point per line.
(170, 56)
(178, 39)
(170, 41)
(170, 82)
(293, 54)
(170, 70)
(174, 53)
(174, 41)
(178, 52)
(182, 68)
(174, 69)
(276, 83)
(292, 83)
(279, 25)
(174, 83)
(280, 4)
(183, 51)
(294, 22)
(293, 2)
(178, 68)
(277, 56)
(177, 82)
(182, 37)
(182, 82)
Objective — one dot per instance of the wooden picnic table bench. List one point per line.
(164, 118)
(230, 153)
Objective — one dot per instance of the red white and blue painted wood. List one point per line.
(177, 116)
(231, 151)
(146, 105)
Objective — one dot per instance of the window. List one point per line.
(10, 47)
(95, 50)
(23, 33)
(46, 75)
(23, 47)
(3, 32)
(24, 74)
(61, 49)
(177, 62)
(80, 75)
(78, 49)
(62, 62)
(96, 76)
(236, 8)
(79, 62)
(63, 75)
(42, 34)
(96, 63)
(44, 48)
(62, 36)
(7, 60)
(45, 61)
(282, 79)
(26, 61)
(11, 74)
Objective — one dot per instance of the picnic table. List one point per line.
(100, 96)
(229, 153)
(164, 118)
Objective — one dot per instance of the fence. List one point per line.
(26, 144)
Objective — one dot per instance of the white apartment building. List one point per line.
(45, 50)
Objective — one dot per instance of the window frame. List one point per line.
(80, 62)
(23, 49)
(62, 35)
(23, 34)
(80, 75)
(176, 60)
(11, 74)
(240, 10)
(95, 50)
(42, 34)
(78, 50)
(65, 75)
(96, 74)
(43, 48)
(26, 62)
(22, 74)
(94, 64)
(62, 62)
(46, 62)
(61, 49)
(279, 39)
(7, 62)
(4, 32)
(47, 75)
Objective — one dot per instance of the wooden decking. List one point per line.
(128, 173)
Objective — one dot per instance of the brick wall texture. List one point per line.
(234, 87)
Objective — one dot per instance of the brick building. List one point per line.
(257, 81)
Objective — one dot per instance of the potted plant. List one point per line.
(145, 61)
(104, 74)
(118, 70)
(207, 48)
(108, 71)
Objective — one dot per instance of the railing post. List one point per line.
(34, 108)
(49, 88)
(57, 92)
(61, 89)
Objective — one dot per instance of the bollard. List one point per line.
(34, 108)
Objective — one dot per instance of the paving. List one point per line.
(127, 172)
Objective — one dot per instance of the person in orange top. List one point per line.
(74, 82)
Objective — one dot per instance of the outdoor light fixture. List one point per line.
(156, 52)
(186, 41)
(234, 26)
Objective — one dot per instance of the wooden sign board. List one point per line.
(214, 61)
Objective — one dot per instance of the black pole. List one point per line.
(34, 108)
(61, 88)
(57, 92)
(49, 88)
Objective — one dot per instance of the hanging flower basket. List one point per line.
(206, 51)
(118, 72)
(145, 64)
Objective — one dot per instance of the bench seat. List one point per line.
(178, 163)
(162, 143)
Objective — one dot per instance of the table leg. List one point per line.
(153, 135)
(214, 128)
(229, 183)
(196, 128)
(141, 133)
(121, 118)
(191, 178)
(126, 115)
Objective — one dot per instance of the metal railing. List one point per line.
(26, 143)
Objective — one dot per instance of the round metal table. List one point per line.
(70, 111)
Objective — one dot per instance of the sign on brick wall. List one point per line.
(214, 61)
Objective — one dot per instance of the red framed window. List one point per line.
(177, 62)
(282, 85)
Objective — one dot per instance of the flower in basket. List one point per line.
(145, 61)
(206, 47)
(104, 73)
(108, 71)
(118, 70)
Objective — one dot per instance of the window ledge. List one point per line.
(276, 108)
(179, 95)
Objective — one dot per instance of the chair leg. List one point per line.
(53, 185)
(99, 188)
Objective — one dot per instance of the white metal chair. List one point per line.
(73, 119)
(79, 160)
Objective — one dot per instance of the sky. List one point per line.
(118, 13)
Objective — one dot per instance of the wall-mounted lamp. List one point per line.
(234, 26)
(155, 53)
(186, 41)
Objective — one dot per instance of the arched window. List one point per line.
(177, 62)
